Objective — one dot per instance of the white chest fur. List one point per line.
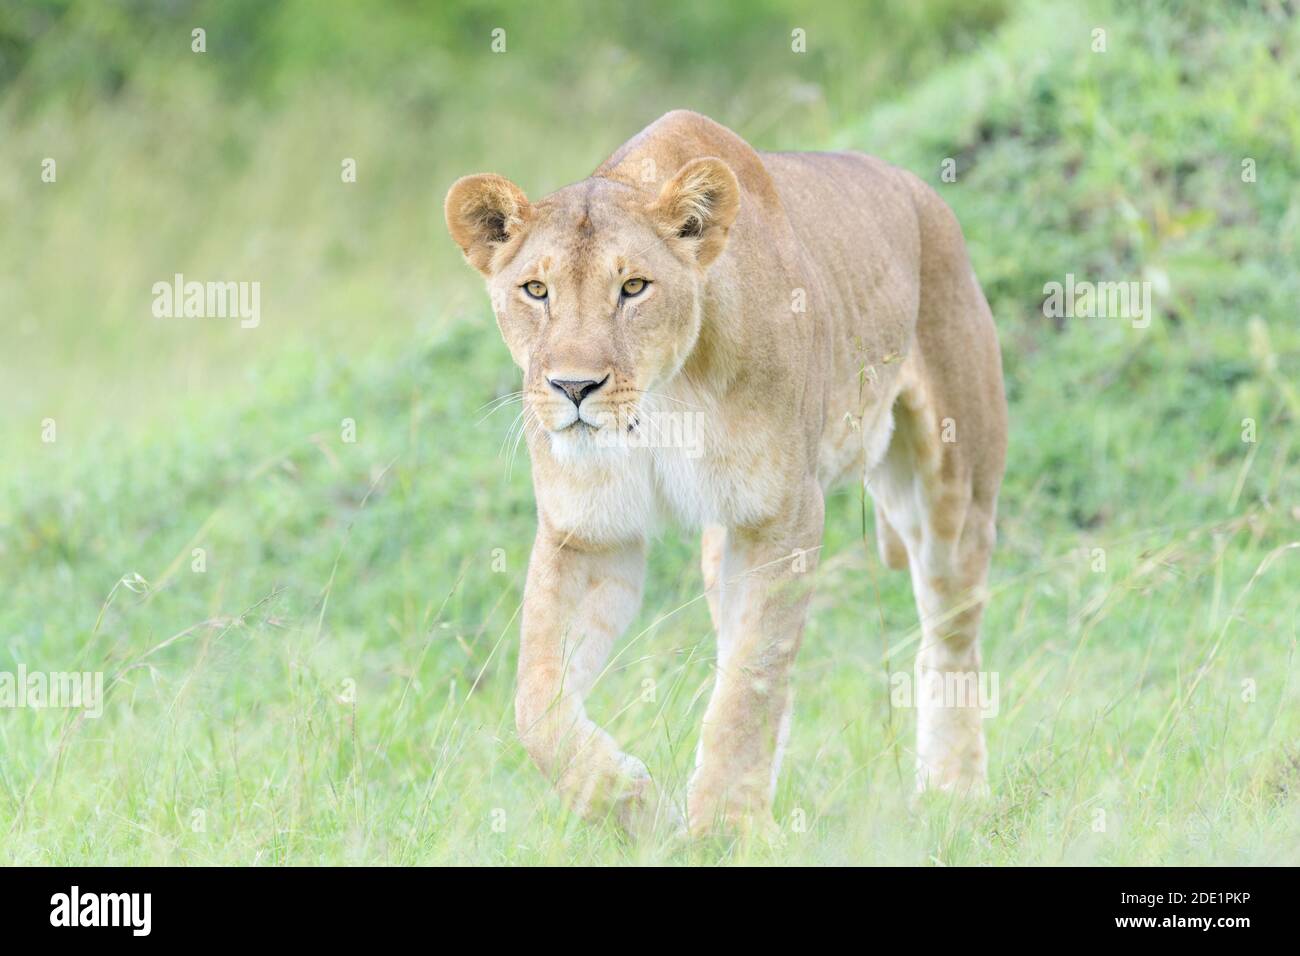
(617, 494)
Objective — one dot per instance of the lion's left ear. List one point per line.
(697, 207)
(484, 212)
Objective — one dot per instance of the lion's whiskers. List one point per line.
(496, 404)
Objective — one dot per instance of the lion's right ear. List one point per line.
(485, 212)
(697, 207)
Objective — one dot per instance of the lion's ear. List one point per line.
(484, 212)
(697, 207)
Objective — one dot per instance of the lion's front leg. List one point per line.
(576, 604)
(768, 581)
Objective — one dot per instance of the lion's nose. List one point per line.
(576, 390)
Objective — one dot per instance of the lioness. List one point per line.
(816, 317)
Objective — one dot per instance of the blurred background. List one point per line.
(227, 163)
(309, 638)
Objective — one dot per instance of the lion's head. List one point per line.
(596, 288)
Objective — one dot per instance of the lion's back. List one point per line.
(851, 211)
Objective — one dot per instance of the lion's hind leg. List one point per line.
(893, 552)
(948, 534)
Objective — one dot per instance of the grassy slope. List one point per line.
(372, 562)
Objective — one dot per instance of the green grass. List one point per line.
(336, 686)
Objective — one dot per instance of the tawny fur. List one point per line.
(818, 313)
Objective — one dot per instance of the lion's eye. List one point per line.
(633, 287)
(535, 289)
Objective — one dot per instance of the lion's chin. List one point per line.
(582, 443)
